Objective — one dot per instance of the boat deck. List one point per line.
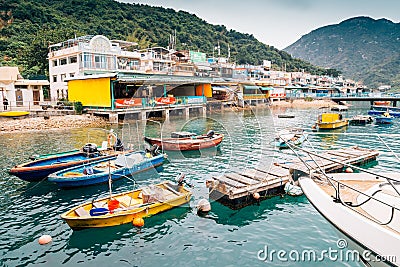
(236, 189)
(349, 195)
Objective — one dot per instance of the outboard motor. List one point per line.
(90, 148)
(118, 145)
(154, 150)
(210, 133)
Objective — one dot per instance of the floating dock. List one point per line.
(238, 189)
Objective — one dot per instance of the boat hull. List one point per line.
(296, 142)
(384, 120)
(332, 125)
(358, 228)
(14, 114)
(186, 144)
(38, 170)
(127, 215)
(81, 179)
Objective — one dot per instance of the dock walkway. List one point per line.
(237, 189)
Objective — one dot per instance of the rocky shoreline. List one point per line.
(78, 121)
(51, 123)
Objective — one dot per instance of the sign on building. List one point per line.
(197, 57)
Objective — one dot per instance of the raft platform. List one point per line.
(237, 189)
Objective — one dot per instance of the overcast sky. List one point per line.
(280, 22)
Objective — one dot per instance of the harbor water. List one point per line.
(179, 237)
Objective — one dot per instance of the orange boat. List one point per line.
(185, 141)
(382, 103)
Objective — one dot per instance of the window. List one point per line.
(55, 63)
(63, 61)
(73, 60)
(63, 77)
(72, 75)
(54, 78)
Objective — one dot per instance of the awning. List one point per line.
(251, 87)
(266, 88)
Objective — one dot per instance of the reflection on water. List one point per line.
(180, 237)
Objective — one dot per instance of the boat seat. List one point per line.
(128, 161)
(128, 201)
(81, 212)
(104, 146)
(99, 204)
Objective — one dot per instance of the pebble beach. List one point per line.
(52, 123)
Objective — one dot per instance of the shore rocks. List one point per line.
(54, 122)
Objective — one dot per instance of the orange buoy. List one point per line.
(45, 239)
(138, 222)
(349, 170)
(256, 195)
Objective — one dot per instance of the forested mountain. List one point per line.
(363, 48)
(27, 27)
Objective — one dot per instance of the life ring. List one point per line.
(113, 141)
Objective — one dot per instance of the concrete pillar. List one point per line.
(166, 113)
(113, 118)
(143, 115)
(187, 113)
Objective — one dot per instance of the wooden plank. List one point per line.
(241, 179)
(254, 174)
(240, 192)
(229, 182)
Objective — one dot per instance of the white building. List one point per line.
(88, 55)
(19, 92)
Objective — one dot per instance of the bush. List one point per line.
(308, 99)
(78, 107)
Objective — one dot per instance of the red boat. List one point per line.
(187, 141)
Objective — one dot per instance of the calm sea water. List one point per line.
(178, 237)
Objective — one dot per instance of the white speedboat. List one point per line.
(364, 207)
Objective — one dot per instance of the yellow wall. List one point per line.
(207, 90)
(91, 92)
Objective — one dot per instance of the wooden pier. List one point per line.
(238, 189)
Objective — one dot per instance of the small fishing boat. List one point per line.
(293, 136)
(330, 121)
(386, 118)
(184, 141)
(14, 114)
(100, 171)
(125, 207)
(381, 103)
(360, 120)
(39, 169)
(286, 116)
(339, 108)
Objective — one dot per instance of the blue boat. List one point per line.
(99, 172)
(294, 137)
(38, 170)
(380, 110)
(384, 119)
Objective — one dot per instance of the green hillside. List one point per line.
(363, 48)
(28, 26)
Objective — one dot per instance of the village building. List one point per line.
(18, 92)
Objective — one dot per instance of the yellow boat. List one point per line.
(14, 113)
(330, 121)
(125, 207)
